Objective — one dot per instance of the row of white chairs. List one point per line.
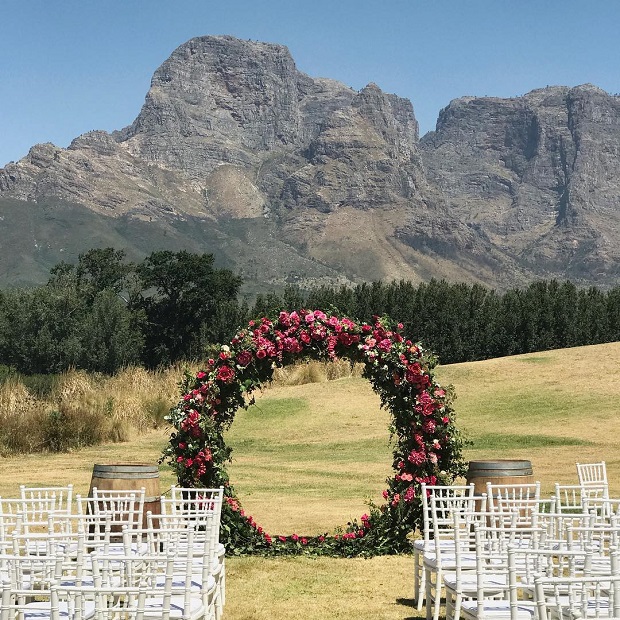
(106, 535)
(507, 515)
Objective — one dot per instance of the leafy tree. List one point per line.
(102, 269)
(111, 339)
(180, 296)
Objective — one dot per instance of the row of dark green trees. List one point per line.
(106, 313)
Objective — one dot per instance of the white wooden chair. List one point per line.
(517, 565)
(567, 598)
(492, 570)
(202, 549)
(167, 595)
(593, 480)
(425, 545)
(462, 584)
(444, 502)
(57, 498)
(182, 543)
(202, 506)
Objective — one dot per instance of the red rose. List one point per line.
(244, 358)
(225, 374)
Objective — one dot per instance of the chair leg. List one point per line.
(438, 588)
(449, 605)
(419, 584)
(423, 579)
(434, 578)
(429, 595)
(456, 607)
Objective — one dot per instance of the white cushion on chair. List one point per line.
(498, 610)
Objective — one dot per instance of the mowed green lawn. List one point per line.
(306, 458)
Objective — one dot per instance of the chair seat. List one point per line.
(493, 584)
(570, 614)
(197, 585)
(420, 544)
(498, 610)
(153, 608)
(448, 561)
(41, 611)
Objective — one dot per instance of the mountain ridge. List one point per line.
(300, 180)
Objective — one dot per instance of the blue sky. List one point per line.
(70, 66)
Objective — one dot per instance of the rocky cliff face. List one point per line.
(289, 178)
(540, 174)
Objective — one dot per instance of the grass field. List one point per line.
(307, 457)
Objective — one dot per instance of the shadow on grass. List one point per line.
(418, 615)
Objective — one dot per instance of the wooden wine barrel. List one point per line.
(130, 477)
(501, 471)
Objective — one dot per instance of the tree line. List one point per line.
(104, 313)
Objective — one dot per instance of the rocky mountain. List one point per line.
(293, 179)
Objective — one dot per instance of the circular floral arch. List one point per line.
(426, 444)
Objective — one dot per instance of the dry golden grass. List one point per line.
(308, 455)
(91, 408)
(318, 452)
(569, 394)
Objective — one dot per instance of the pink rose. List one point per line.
(385, 345)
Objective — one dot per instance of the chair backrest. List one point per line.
(124, 507)
(194, 502)
(508, 499)
(205, 533)
(592, 596)
(568, 498)
(556, 526)
(198, 506)
(95, 526)
(58, 498)
(592, 473)
(427, 491)
(444, 503)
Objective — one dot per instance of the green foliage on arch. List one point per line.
(426, 443)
